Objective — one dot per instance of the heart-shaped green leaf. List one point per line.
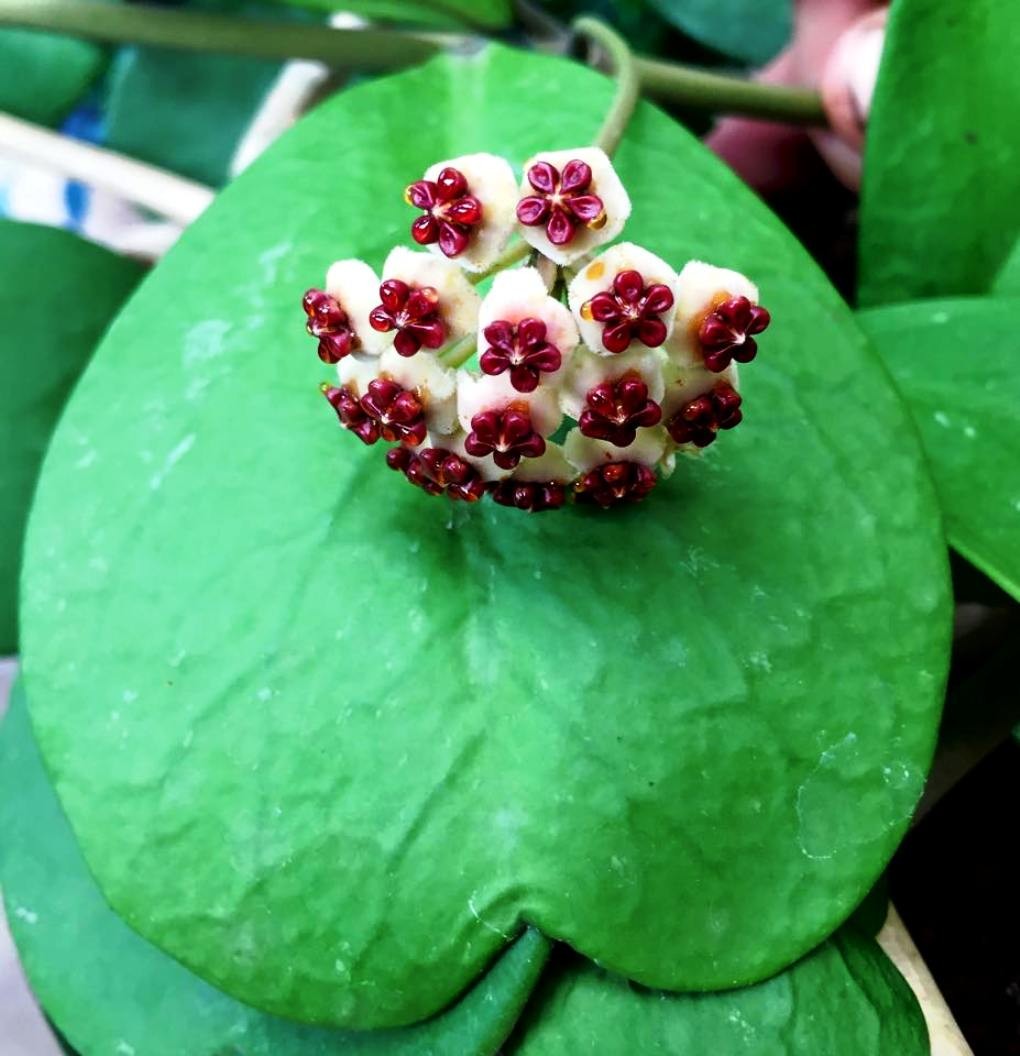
(845, 999)
(108, 990)
(57, 295)
(942, 146)
(328, 718)
(750, 30)
(955, 362)
(42, 75)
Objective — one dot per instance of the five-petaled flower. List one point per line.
(629, 311)
(507, 435)
(698, 420)
(615, 411)
(615, 483)
(624, 297)
(726, 332)
(413, 313)
(643, 361)
(451, 211)
(562, 201)
(571, 201)
(521, 348)
(330, 324)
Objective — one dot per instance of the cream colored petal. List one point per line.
(587, 370)
(435, 385)
(552, 467)
(355, 372)
(458, 301)
(491, 180)
(585, 453)
(598, 276)
(454, 443)
(478, 393)
(700, 287)
(605, 183)
(356, 286)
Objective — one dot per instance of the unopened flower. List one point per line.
(426, 302)
(468, 208)
(571, 202)
(624, 297)
(338, 316)
(523, 332)
(717, 317)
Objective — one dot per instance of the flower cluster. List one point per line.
(631, 364)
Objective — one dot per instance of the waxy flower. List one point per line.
(523, 333)
(426, 303)
(339, 315)
(717, 316)
(468, 208)
(698, 420)
(624, 298)
(537, 484)
(571, 201)
(643, 360)
(610, 475)
(613, 397)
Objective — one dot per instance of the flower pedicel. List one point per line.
(633, 363)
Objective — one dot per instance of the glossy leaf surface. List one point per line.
(329, 718)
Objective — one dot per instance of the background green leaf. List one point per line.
(844, 999)
(685, 738)
(751, 30)
(942, 148)
(108, 990)
(955, 362)
(57, 295)
(184, 111)
(42, 76)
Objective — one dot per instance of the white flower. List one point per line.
(698, 403)
(426, 302)
(587, 371)
(468, 208)
(523, 333)
(586, 454)
(624, 298)
(571, 202)
(454, 443)
(480, 395)
(717, 314)
(434, 384)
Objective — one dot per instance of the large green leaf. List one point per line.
(955, 362)
(42, 75)
(942, 150)
(751, 30)
(109, 991)
(327, 718)
(57, 295)
(844, 999)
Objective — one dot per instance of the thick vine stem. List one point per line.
(628, 84)
(366, 49)
(461, 352)
(383, 49)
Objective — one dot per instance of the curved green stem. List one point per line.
(460, 352)
(628, 84)
(716, 93)
(198, 31)
(382, 49)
